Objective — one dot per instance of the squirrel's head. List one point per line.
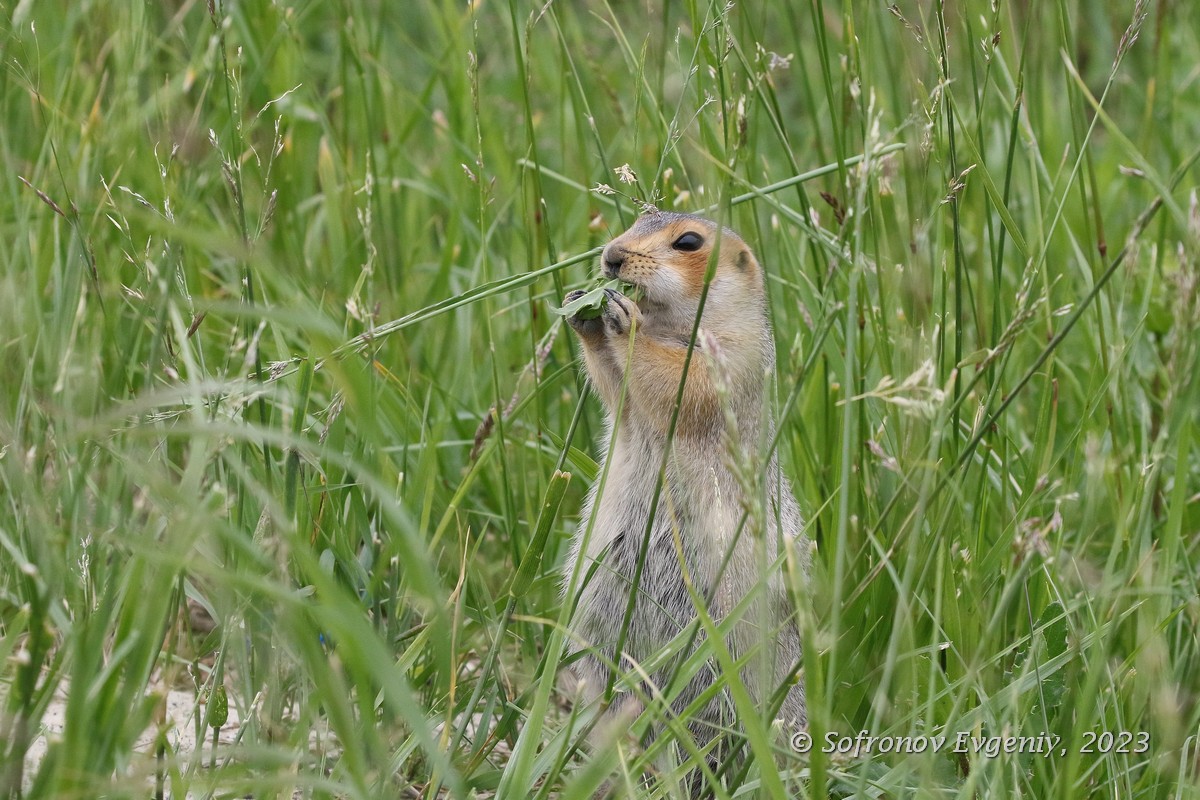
(666, 255)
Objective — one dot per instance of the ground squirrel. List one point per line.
(635, 352)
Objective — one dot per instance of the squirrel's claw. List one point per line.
(620, 314)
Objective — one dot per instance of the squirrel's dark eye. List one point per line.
(689, 242)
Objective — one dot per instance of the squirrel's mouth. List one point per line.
(634, 292)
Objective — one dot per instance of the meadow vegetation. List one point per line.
(276, 290)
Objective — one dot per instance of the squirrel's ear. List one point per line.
(744, 260)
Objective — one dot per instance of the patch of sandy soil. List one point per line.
(180, 726)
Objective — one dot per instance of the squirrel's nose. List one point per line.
(614, 259)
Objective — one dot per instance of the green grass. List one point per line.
(266, 272)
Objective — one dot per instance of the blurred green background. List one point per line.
(281, 394)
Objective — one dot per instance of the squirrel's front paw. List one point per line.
(620, 313)
(584, 326)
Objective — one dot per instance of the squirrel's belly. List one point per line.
(691, 500)
(694, 522)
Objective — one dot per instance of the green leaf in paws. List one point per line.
(591, 304)
(588, 305)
